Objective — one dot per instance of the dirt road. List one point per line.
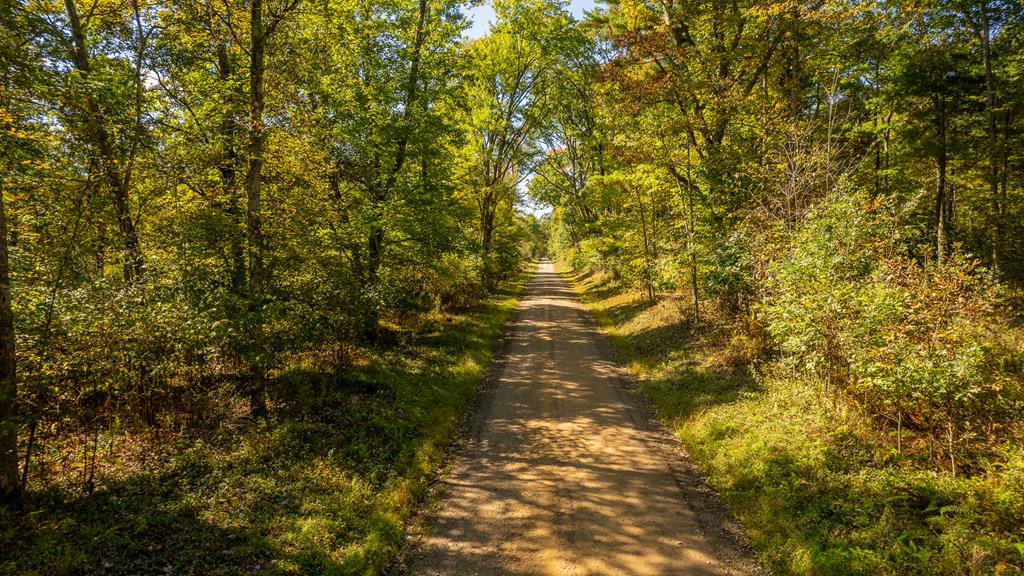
(566, 472)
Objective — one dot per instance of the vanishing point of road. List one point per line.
(566, 471)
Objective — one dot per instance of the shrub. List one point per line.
(454, 283)
(920, 345)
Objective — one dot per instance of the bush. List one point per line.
(729, 280)
(922, 346)
(455, 283)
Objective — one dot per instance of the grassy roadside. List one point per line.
(807, 477)
(322, 487)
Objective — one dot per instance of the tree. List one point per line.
(507, 94)
(10, 485)
(112, 152)
(388, 134)
(13, 138)
(260, 35)
(573, 138)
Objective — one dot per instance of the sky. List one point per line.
(483, 15)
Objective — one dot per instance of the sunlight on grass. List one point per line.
(809, 478)
(322, 487)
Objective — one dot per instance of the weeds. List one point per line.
(323, 486)
(815, 481)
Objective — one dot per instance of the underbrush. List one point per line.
(323, 485)
(817, 482)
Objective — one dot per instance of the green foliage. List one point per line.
(921, 346)
(207, 212)
(193, 226)
(818, 488)
(511, 94)
(821, 191)
(730, 279)
(323, 486)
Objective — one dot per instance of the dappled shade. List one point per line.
(565, 473)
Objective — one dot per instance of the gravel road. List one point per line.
(567, 472)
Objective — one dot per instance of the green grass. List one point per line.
(324, 486)
(810, 479)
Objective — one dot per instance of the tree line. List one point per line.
(841, 182)
(197, 194)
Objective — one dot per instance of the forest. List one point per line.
(256, 257)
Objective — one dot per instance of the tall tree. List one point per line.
(112, 155)
(512, 68)
(13, 63)
(261, 33)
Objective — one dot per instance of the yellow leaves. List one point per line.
(18, 134)
(768, 10)
(827, 13)
(9, 128)
(636, 14)
(38, 164)
(44, 6)
(836, 13)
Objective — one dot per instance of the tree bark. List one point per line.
(998, 206)
(99, 137)
(10, 488)
(687, 200)
(487, 205)
(942, 219)
(228, 169)
(690, 247)
(253, 180)
(648, 262)
(253, 177)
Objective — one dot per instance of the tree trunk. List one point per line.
(942, 220)
(686, 200)
(10, 489)
(998, 207)
(648, 265)
(99, 137)
(487, 213)
(374, 259)
(690, 247)
(253, 178)
(229, 174)
(254, 218)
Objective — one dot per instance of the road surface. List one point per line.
(565, 471)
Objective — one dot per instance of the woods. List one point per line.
(295, 228)
(832, 176)
(257, 202)
(802, 223)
